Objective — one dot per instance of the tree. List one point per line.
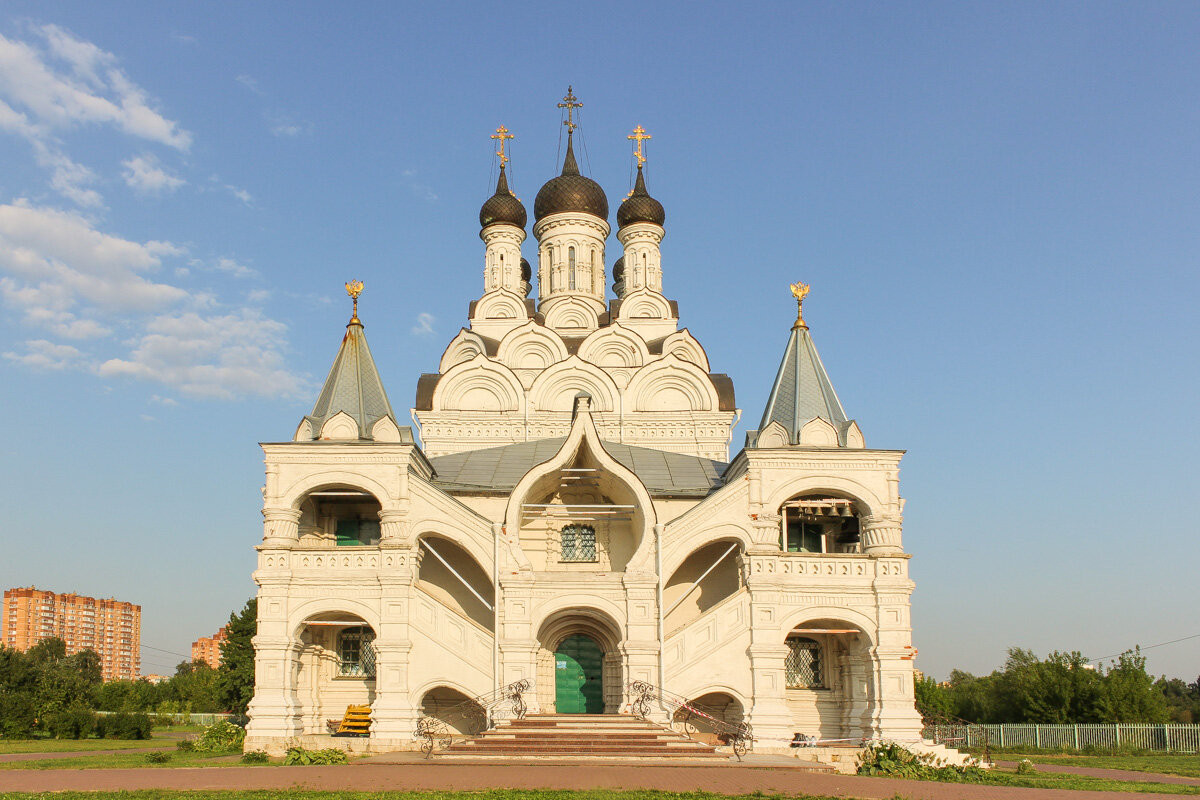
(933, 701)
(18, 685)
(1128, 694)
(235, 677)
(1062, 689)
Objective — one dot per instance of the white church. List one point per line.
(568, 519)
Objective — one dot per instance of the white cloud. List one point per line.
(240, 194)
(73, 281)
(144, 174)
(424, 326)
(249, 82)
(44, 355)
(258, 296)
(163, 401)
(220, 357)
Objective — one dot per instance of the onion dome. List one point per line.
(502, 208)
(526, 271)
(619, 269)
(570, 191)
(640, 206)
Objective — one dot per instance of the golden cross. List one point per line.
(800, 291)
(502, 134)
(354, 289)
(640, 134)
(570, 105)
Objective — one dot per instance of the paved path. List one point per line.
(444, 775)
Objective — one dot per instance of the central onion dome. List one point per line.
(640, 206)
(570, 191)
(502, 207)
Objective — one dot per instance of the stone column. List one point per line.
(640, 649)
(393, 528)
(769, 714)
(275, 710)
(281, 527)
(395, 711)
(881, 536)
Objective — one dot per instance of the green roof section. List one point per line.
(353, 386)
(803, 390)
(501, 468)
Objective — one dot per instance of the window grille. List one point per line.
(579, 543)
(357, 653)
(802, 668)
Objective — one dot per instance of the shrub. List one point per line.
(220, 737)
(18, 715)
(255, 757)
(186, 745)
(158, 758)
(76, 723)
(1025, 767)
(892, 760)
(124, 725)
(298, 755)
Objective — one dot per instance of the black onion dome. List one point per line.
(526, 271)
(640, 206)
(619, 269)
(502, 207)
(570, 191)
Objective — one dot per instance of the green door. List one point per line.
(578, 688)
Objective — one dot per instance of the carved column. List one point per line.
(275, 710)
(281, 527)
(881, 536)
(769, 714)
(394, 712)
(393, 528)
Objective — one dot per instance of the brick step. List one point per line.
(512, 744)
(594, 751)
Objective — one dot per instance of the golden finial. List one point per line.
(502, 134)
(800, 291)
(354, 289)
(570, 104)
(640, 134)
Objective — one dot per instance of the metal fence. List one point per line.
(1174, 738)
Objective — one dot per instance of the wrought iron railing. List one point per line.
(955, 732)
(473, 716)
(642, 697)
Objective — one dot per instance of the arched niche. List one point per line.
(459, 711)
(336, 664)
(479, 385)
(572, 314)
(670, 384)
(500, 304)
(644, 304)
(683, 345)
(556, 388)
(463, 347)
(835, 486)
(338, 515)
(715, 707)
(614, 347)
(822, 521)
(451, 576)
(531, 346)
(598, 625)
(704, 579)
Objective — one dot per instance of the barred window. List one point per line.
(579, 543)
(357, 653)
(802, 668)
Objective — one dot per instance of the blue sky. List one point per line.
(996, 206)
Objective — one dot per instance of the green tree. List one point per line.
(193, 688)
(1128, 694)
(933, 701)
(235, 676)
(18, 686)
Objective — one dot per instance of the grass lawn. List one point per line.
(126, 761)
(1061, 780)
(77, 745)
(1187, 766)
(492, 794)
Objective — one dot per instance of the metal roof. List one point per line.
(353, 386)
(802, 389)
(501, 468)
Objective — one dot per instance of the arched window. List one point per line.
(356, 652)
(803, 666)
(579, 543)
(571, 268)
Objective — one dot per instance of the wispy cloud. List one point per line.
(41, 354)
(56, 82)
(424, 326)
(249, 82)
(418, 188)
(143, 174)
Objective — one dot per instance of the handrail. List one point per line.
(739, 735)
(477, 715)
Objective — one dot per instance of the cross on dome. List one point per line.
(639, 133)
(570, 104)
(502, 134)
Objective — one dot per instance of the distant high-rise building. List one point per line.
(208, 648)
(110, 627)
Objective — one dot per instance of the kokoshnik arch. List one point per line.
(571, 516)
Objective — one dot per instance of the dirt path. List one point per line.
(467, 776)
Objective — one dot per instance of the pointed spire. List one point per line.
(503, 206)
(570, 167)
(802, 389)
(502, 183)
(353, 385)
(639, 206)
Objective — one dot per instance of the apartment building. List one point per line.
(208, 648)
(110, 627)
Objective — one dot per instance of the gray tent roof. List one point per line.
(501, 468)
(802, 389)
(353, 386)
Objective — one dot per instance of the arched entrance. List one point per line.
(579, 676)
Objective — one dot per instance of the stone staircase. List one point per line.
(581, 736)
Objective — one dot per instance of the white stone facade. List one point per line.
(546, 502)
